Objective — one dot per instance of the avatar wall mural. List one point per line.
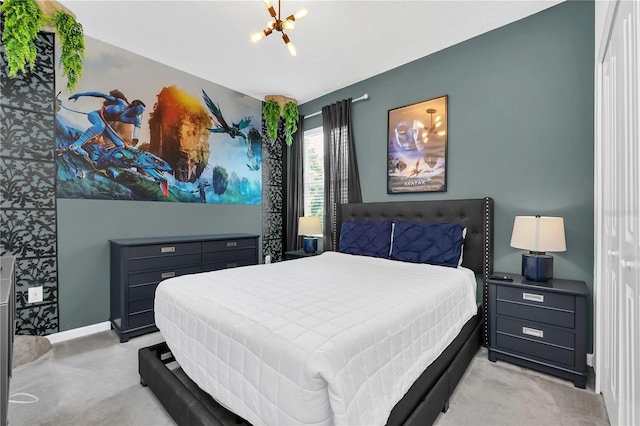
(135, 129)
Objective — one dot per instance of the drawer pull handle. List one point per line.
(167, 250)
(533, 297)
(232, 243)
(533, 332)
(168, 274)
(231, 265)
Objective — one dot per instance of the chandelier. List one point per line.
(434, 124)
(280, 25)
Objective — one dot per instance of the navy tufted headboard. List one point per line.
(474, 214)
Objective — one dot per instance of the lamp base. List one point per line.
(310, 244)
(537, 266)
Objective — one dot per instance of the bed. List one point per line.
(354, 350)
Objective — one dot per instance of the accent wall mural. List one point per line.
(135, 129)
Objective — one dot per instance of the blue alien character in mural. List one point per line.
(102, 148)
(116, 108)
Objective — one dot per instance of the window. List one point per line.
(313, 172)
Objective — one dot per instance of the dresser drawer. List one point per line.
(140, 305)
(230, 256)
(162, 250)
(164, 262)
(214, 266)
(536, 297)
(154, 277)
(141, 319)
(142, 291)
(533, 313)
(536, 332)
(230, 244)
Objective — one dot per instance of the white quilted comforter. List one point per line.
(330, 339)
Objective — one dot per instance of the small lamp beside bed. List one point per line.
(309, 227)
(539, 234)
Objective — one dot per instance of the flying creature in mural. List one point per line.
(221, 125)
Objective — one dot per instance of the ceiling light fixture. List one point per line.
(280, 25)
(434, 124)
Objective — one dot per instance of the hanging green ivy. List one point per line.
(72, 47)
(272, 117)
(290, 114)
(22, 21)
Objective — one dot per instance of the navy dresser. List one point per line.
(139, 264)
(542, 326)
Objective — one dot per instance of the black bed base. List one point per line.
(429, 395)
(189, 405)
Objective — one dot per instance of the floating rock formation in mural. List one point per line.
(178, 133)
(220, 180)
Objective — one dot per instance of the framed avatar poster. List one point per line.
(417, 147)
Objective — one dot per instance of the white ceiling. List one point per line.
(339, 43)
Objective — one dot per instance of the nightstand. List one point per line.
(297, 254)
(540, 325)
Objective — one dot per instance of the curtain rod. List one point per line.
(361, 98)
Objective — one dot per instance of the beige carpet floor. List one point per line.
(94, 381)
(27, 349)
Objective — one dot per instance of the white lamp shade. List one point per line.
(310, 225)
(538, 233)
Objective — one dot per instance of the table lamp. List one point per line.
(308, 227)
(538, 234)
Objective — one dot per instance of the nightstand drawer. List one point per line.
(539, 314)
(535, 331)
(540, 351)
(536, 297)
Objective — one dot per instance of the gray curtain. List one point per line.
(295, 204)
(341, 179)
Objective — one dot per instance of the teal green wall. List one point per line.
(520, 127)
(86, 226)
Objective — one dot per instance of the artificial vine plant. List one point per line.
(72, 47)
(290, 115)
(23, 19)
(272, 117)
(272, 114)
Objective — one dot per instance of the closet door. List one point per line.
(627, 122)
(618, 180)
(609, 291)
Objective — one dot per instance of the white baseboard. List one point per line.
(78, 332)
(590, 360)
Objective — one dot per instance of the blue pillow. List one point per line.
(367, 238)
(433, 243)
